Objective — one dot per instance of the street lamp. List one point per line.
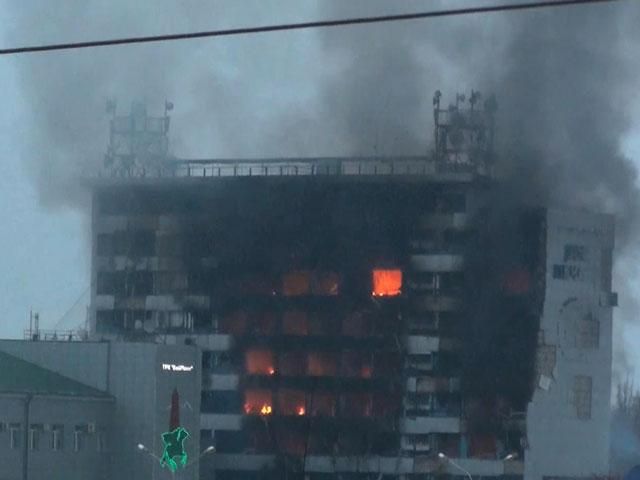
(144, 449)
(444, 457)
(206, 451)
(511, 456)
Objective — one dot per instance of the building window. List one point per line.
(258, 402)
(575, 253)
(34, 436)
(322, 364)
(259, 362)
(14, 432)
(588, 333)
(134, 243)
(101, 441)
(57, 437)
(558, 271)
(386, 283)
(296, 284)
(295, 322)
(78, 439)
(104, 245)
(106, 283)
(581, 396)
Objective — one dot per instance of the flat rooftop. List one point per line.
(410, 167)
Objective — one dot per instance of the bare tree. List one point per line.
(625, 428)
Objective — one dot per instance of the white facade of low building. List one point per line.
(569, 416)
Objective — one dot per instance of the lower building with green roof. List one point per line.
(51, 426)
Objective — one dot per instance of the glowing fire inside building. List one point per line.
(387, 283)
(362, 318)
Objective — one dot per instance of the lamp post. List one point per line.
(206, 451)
(144, 449)
(444, 457)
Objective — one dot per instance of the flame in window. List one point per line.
(265, 410)
(259, 362)
(387, 283)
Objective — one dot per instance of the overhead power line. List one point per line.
(299, 26)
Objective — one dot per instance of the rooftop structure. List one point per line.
(23, 377)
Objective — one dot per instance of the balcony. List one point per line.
(443, 221)
(217, 381)
(437, 263)
(432, 385)
(104, 302)
(421, 344)
(168, 302)
(220, 421)
(423, 425)
(476, 467)
(438, 303)
(217, 342)
(424, 345)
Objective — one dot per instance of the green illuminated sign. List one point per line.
(174, 452)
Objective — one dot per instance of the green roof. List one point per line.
(20, 376)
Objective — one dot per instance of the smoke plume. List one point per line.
(564, 78)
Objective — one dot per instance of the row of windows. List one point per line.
(320, 364)
(346, 364)
(441, 241)
(291, 284)
(243, 322)
(346, 440)
(145, 243)
(53, 437)
(155, 203)
(298, 403)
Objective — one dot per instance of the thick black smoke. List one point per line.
(563, 99)
(564, 78)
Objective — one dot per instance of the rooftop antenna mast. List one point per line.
(138, 142)
(464, 133)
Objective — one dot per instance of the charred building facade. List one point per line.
(362, 318)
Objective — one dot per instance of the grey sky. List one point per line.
(295, 93)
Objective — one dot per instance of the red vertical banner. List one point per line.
(174, 417)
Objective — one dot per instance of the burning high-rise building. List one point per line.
(362, 316)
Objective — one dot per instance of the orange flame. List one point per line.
(265, 410)
(271, 371)
(301, 411)
(387, 283)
